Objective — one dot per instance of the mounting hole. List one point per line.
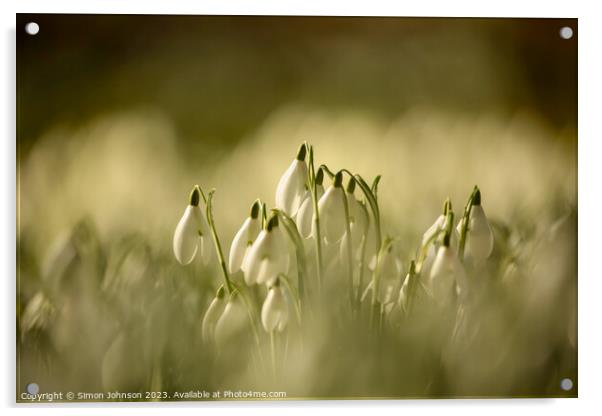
(566, 32)
(32, 28)
(32, 388)
(566, 384)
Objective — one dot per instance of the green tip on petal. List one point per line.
(273, 222)
(320, 176)
(476, 199)
(447, 206)
(276, 283)
(255, 209)
(449, 225)
(338, 179)
(220, 292)
(351, 186)
(302, 152)
(412, 267)
(195, 196)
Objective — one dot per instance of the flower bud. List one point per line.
(332, 211)
(244, 239)
(215, 310)
(191, 234)
(233, 321)
(447, 277)
(268, 256)
(275, 311)
(291, 187)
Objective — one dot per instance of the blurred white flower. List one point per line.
(268, 256)
(389, 272)
(233, 321)
(244, 238)
(275, 310)
(192, 233)
(437, 226)
(447, 277)
(215, 310)
(332, 211)
(291, 187)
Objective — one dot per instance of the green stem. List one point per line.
(252, 317)
(297, 240)
(218, 246)
(314, 198)
(361, 271)
(293, 293)
(464, 228)
(273, 350)
(349, 250)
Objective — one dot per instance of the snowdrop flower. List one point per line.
(305, 214)
(438, 225)
(274, 313)
(268, 256)
(215, 310)
(447, 277)
(404, 294)
(191, 233)
(479, 239)
(244, 238)
(390, 269)
(332, 211)
(233, 321)
(291, 187)
(358, 215)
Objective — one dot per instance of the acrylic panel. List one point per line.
(290, 208)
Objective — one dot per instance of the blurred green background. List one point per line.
(119, 116)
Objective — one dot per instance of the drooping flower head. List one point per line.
(305, 214)
(215, 310)
(234, 320)
(244, 238)
(331, 209)
(192, 232)
(439, 224)
(358, 215)
(292, 185)
(389, 271)
(268, 256)
(275, 310)
(447, 278)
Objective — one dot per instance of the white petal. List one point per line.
(437, 226)
(332, 214)
(480, 237)
(207, 249)
(274, 312)
(186, 237)
(242, 240)
(212, 315)
(447, 275)
(233, 321)
(305, 217)
(252, 261)
(291, 187)
(360, 219)
(390, 265)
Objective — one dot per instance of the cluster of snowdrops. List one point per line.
(283, 249)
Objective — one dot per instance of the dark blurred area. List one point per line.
(219, 77)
